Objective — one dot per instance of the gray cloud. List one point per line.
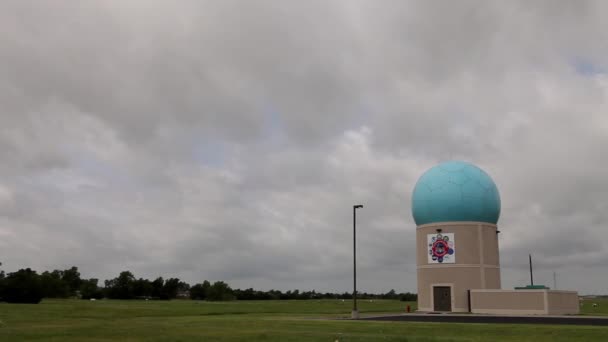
(228, 140)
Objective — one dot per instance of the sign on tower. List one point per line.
(441, 248)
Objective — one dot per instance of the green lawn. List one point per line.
(600, 310)
(106, 320)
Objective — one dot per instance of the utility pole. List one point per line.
(531, 276)
(554, 281)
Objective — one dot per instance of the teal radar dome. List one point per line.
(455, 191)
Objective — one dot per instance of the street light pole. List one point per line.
(355, 313)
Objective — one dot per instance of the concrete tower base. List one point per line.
(474, 265)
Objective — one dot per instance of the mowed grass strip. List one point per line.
(105, 320)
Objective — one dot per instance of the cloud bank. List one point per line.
(229, 139)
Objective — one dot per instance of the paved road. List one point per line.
(455, 318)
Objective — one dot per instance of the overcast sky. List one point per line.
(228, 140)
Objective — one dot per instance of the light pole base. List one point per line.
(354, 314)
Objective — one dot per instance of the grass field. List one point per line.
(105, 320)
(600, 310)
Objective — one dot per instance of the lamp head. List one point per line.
(358, 206)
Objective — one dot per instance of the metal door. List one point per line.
(442, 298)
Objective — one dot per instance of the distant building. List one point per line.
(183, 294)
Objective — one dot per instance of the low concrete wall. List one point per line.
(563, 302)
(524, 302)
(530, 302)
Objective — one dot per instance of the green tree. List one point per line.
(121, 287)
(142, 288)
(1, 284)
(157, 287)
(390, 295)
(23, 286)
(89, 289)
(170, 288)
(183, 286)
(206, 286)
(408, 297)
(220, 291)
(72, 278)
(53, 285)
(200, 291)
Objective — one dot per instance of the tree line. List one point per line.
(28, 286)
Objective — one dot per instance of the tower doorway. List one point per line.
(442, 298)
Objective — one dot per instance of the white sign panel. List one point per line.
(441, 248)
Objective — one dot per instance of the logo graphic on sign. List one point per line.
(441, 248)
